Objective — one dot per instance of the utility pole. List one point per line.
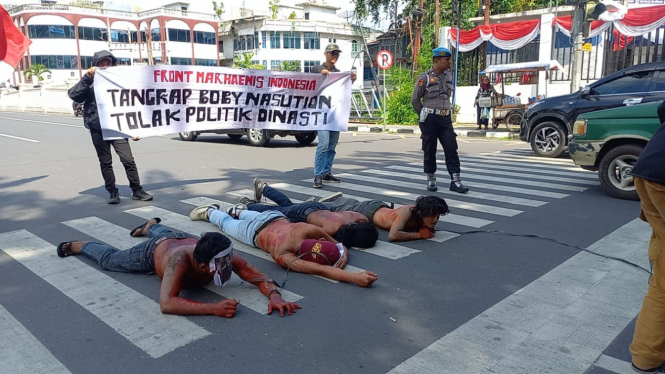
(437, 17)
(578, 40)
(486, 15)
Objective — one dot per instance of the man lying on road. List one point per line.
(300, 247)
(181, 260)
(408, 222)
(350, 228)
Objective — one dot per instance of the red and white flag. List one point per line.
(13, 45)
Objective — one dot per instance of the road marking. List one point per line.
(129, 313)
(572, 168)
(545, 160)
(517, 161)
(470, 194)
(21, 352)
(614, 365)
(183, 223)
(449, 218)
(19, 138)
(531, 176)
(559, 324)
(418, 175)
(553, 171)
(245, 293)
(46, 123)
(411, 196)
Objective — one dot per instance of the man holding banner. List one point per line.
(325, 150)
(83, 92)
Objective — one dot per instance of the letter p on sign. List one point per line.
(384, 59)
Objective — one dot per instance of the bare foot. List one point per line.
(365, 279)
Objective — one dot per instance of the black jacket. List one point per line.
(83, 92)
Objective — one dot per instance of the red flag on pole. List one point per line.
(13, 45)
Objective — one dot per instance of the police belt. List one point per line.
(440, 112)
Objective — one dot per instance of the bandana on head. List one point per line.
(222, 265)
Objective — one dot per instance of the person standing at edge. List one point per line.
(325, 150)
(435, 87)
(648, 346)
(83, 92)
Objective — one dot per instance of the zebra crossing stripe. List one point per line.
(545, 160)
(132, 315)
(411, 196)
(531, 176)
(419, 176)
(449, 218)
(521, 181)
(519, 161)
(614, 365)
(560, 323)
(246, 294)
(184, 224)
(439, 236)
(499, 165)
(470, 194)
(21, 352)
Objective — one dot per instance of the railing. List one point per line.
(109, 12)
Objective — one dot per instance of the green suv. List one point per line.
(610, 141)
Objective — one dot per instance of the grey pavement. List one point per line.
(482, 302)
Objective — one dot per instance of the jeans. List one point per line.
(121, 146)
(294, 212)
(138, 259)
(247, 226)
(325, 152)
(439, 128)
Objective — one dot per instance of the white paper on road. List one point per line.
(142, 101)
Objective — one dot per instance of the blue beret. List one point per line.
(441, 51)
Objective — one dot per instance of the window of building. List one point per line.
(310, 64)
(120, 36)
(291, 65)
(264, 63)
(221, 46)
(354, 46)
(291, 40)
(86, 62)
(181, 61)
(56, 61)
(274, 40)
(203, 37)
(92, 33)
(205, 62)
(254, 62)
(307, 15)
(263, 39)
(275, 64)
(51, 32)
(331, 40)
(156, 35)
(178, 35)
(123, 61)
(312, 40)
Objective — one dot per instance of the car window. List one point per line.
(631, 83)
(659, 81)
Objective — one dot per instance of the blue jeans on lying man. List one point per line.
(247, 226)
(294, 212)
(138, 259)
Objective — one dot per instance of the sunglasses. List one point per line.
(334, 53)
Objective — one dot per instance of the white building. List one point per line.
(65, 37)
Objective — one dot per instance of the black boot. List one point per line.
(114, 197)
(431, 182)
(456, 184)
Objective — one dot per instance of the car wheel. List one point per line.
(234, 136)
(189, 136)
(548, 139)
(615, 171)
(258, 137)
(306, 138)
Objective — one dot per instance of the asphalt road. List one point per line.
(476, 303)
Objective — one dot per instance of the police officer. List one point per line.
(431, 100)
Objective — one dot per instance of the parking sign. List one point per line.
(384, 59)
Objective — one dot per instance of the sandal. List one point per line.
(62, 252)
(139, 229)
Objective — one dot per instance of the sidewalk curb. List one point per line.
(416, 131)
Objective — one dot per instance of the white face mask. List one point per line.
(222, 265)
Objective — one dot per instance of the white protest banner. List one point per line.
(142, 101)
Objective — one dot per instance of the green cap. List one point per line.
(332, 47)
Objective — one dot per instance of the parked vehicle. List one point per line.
(610, 141)
(549, 121)
(256, 137)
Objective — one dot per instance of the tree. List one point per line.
(36, 70)
(292, 15)
(218, 9)
(274, 8)
(289, 66)
(245, 62)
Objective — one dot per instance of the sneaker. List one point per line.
(330, 198)
(258, 189)
(330, 178)
(202, 213)
(235, 210)
(246, 200)
(141, 195)
(318, 182)
(648, 371)
(114, 198)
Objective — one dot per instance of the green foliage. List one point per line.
(245, 62)
(36, 70)
(290, 66)
(292, 15)
(399, 97)
(274, 8)
(219, 9)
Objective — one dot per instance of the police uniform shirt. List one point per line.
(434, 89)
(319, 69)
